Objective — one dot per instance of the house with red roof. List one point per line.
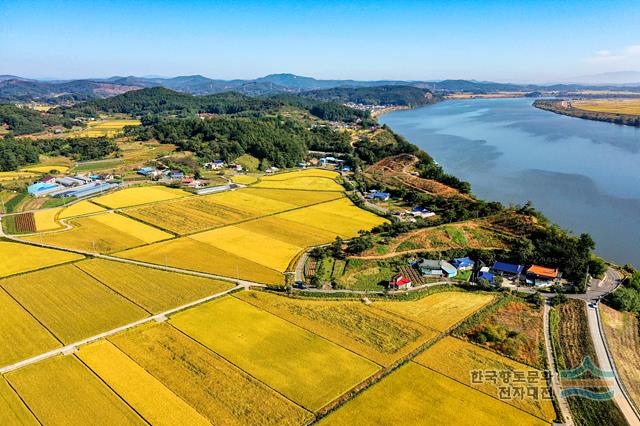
(399, 282)
(542, 276)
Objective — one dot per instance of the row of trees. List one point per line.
(15, 153)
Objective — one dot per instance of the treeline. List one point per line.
(555, 106)
(15, 153)
(161, 101)
(379, 95)
(277, 141)
(627, 297)
(22, 121)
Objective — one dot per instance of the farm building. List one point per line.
(507, 269)
(486, 275)
(47, 179)
(147, 171)
(462, 263)
(70, 181)
(85, 190)
(41, 189)
(214, 165)
(436, 268)
(399, 282)
(346, 168)
(421, 212)
(541, 276)
(380, 196)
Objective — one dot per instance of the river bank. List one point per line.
(564, 107)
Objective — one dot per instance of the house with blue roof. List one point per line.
(485, 275)
(379, 196)
(462, 263)
(507, 269)
(42, 188)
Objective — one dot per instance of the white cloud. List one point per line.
(628, 56)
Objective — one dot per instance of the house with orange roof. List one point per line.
(542, 276)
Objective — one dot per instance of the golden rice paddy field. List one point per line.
(46, 220)
(16, 258)
(79, 209)
(63, 391)
(414, 395)
(9, 176)
(153, 289)
(21, 336)
(244, 179)
(616, 106)
(439, 311)
(139, 195)
(108, 128)
(304, 182)
(374, 334)
(340, 216)
(70, 303)
(187, 253)
(143, 392)
(297, 198)
(457, 359)
(280, 354)
(102, 233)
(12, 409)
(47, 168)
(217, 389)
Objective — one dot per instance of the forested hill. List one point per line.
(380, 95)
(161, 101)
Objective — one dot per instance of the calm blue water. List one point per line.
(584, 175)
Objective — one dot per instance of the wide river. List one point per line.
(583, 175)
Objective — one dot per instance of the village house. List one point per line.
(421, 212)
(541, 276)
(47, 179)
(378, 196)
(462, 263)
(399, 282)
(214, 165)
(507, 269)
(429, 267)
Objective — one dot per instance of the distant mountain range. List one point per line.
(625, 78)
(19, 89)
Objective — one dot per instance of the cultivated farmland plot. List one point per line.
(16, 258)
(139, 195)
(304, 367)
(79, 209)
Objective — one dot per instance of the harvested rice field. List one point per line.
(134, 196)
(374, 334)
(457, 359)
(187, 253)
(21, 336)
(103, 233)
(143, 392)
(62, 391)
(439, 311)
(16, 258)
(414, 395)
(71, 304)
(304, 367)
(217, 389)
(153, 289)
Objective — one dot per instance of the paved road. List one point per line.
(72, 347)
(555, 381)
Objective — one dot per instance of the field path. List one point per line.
(555, 380)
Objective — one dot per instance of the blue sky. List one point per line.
(537, 41)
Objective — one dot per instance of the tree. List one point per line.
(360, 244)
(336, 248)
(536, 299)
(559, 299)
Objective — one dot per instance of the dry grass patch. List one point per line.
(415, 395)
(439, 311)
(623, 337)
(153, 289)
(148, 396)
(21, 336)
(218, 390)
(378, 336)
(79, 209)
(16, 258)
(70, 303)
(457, 359)
(139, 195)
(12, 409)
(187, 253)
(62, 391)
(301, 365)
